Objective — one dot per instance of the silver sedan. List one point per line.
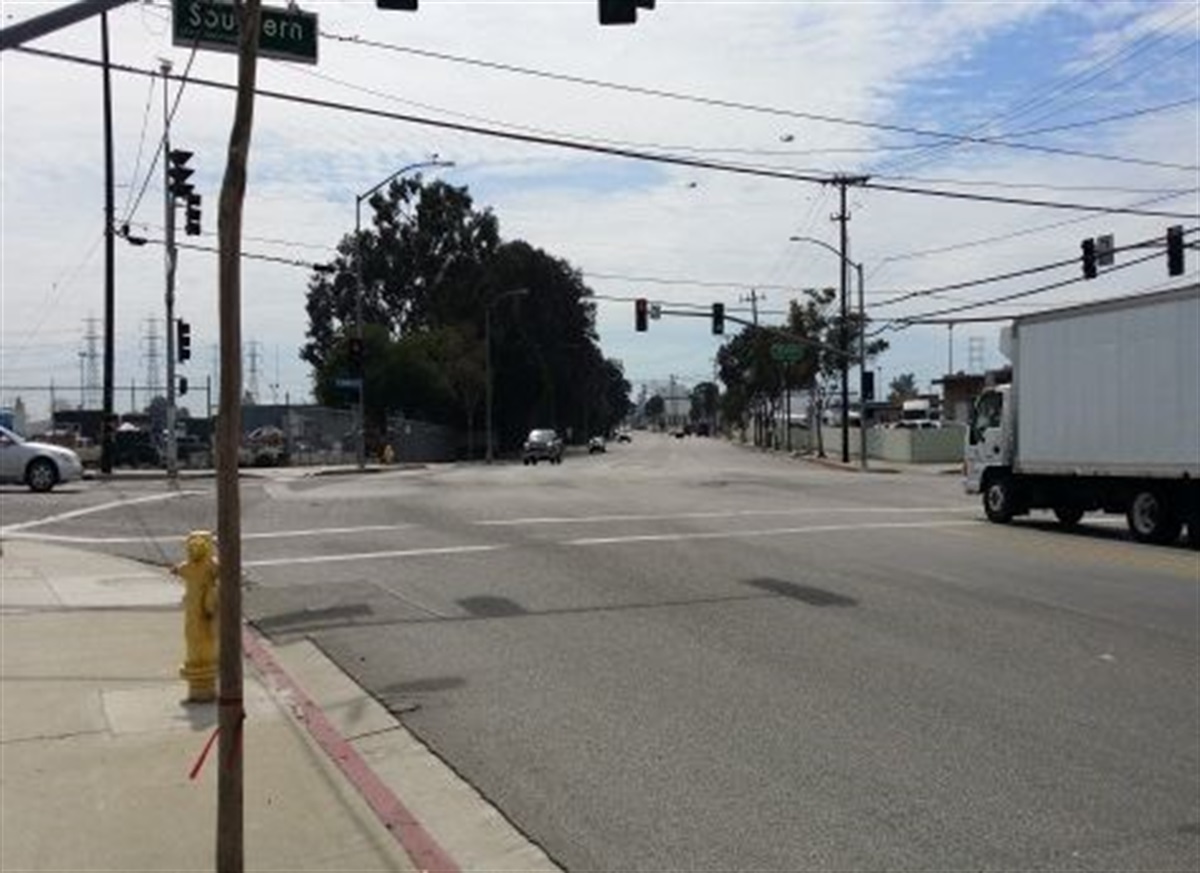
(41, 466)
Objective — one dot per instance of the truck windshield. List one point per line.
(986, 414)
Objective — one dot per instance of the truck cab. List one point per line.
(989, 438)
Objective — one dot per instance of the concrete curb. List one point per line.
(250, 473)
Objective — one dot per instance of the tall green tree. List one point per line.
(756, 380)
(423, 264)
(704, 400)
(903, 387)
(655, 409)
(434, 267)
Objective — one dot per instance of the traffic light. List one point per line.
(622, 11)
(718, 318)
(1089, 258)
(1175, 250)
(178, 172)
(640, 313)
(183, 340)
(192, 225)
(868, 385)
(405, 5)
(356, 353)
(183, 386)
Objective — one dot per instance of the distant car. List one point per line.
(542, 444)
(41, 466)
(596, 444)
(624, 437)
(135, 448)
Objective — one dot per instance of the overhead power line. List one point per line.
(1049, 95)
(673, 160)
(987, 280)
(902, 322)
(1120, 116)
(214, 250)
(1027, 231)
(745, 107)
(183, 80)
(723, 150)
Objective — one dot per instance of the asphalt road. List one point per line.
(688, 655)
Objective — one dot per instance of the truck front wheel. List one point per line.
(1151, 519)
(998, 500)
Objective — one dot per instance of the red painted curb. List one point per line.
(420, 846)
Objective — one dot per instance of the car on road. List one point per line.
(624, 437)
(41, 466)
(596, 444)
(542, 444)
(134, 447)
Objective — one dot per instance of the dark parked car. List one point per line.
(135, 448)
(542, 444)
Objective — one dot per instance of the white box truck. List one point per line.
(1102, 414)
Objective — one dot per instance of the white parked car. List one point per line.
(41, 466)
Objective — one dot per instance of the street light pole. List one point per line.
(862, 356)
(842, 339)
(487, 359)
(358, 296)
(862, 373)
(360, 446)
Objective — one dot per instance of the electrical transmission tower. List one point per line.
(92, 358)
(153, 358)
(252, 381)
(975, 354)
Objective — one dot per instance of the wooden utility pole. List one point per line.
(843, 334)
(232, 715)
(110, 308)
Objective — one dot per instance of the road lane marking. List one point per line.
(730, 513)
(261, 535)
(90, 510)
(373, 556)
(771, 532)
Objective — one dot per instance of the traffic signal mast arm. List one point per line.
(782, 332)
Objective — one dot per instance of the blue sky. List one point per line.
(679, 235)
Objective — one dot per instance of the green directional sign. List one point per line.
(287, 34)
(787, 352)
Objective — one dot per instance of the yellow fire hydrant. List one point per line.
(200, 574)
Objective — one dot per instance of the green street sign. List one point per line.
(787, 352)
(287, 35)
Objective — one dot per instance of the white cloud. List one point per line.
(939, 65)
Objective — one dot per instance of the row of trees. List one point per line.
(433, 268)
(757, 382)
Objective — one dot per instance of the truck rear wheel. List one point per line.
(1151, 519)
(998, 500)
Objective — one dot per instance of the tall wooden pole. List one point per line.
(110, 308)
(232, 715)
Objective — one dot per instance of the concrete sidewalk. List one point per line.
(96, 745)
